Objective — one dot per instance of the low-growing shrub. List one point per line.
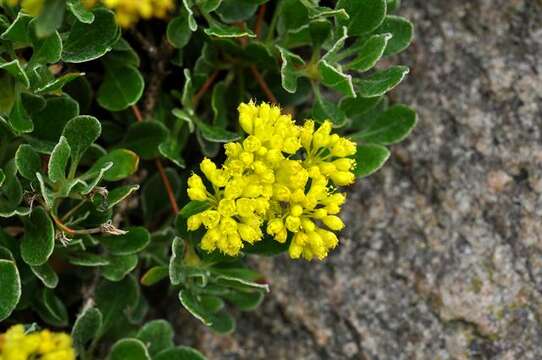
(110, 114)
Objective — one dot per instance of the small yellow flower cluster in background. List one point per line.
(16, 344)
(282, 178)
(31, 7)
(129, 12)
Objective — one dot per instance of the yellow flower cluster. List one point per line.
(16, 344)
(128, 12)
(282, 178)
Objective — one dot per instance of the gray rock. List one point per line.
(442, 257)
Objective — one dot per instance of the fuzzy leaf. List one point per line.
(121, 88)
(391, 127)
(179, 353)
(370, 158)
(117, 195)
(87, 42)
(58, 83)
(365, 16)
(38, 241)
(335, 79)
(16, 70)
(158, 334)
(50, 18)
(178, 30)
(28, 161)
(288, 71)
(145, 137)
(154, 275)
(215, 133)
(370, 52)
(132, 349)
(86, 327)
(381, 82)
(130, 243)
(125, 163)
(49, 122)
(402, 32)
(222, 31)
(18, 30)
(119, 267)
(59, 160)
(81, 132)
(11, 288)
(46, 274)
(114, 298)
(80, 11)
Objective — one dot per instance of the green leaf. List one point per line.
(117, 195)
(356, 108)
(19, 120)
(125, 163)
(178, 30)
(58, 83)
(114, 298)
(87, 42)
(391, 127)
(86, 327)
(381, 82)
(158, 334)
(119, 267)
(28, 161)
(176, 263)
(38, 240)
(49, 122)
(59, 160)
(171, 150)
(365, 16)
(320, 30)
(193, 207)
(231, 11)
(81, 132)
(288, 71)
(2, 177)
(222, 31)
(222, 323)
(11, 288)
(245, 301)
(191, 303)
(212, 304)
(179, 353)
(370, 52)
(145, 137)
(132, 349)
(135, 240)
(80, 11)
(393, 5)
(88, 259)
(123, 54)
(370, 158)
(11, 193)
(46, 274)
(50, 18)
(335, 79)
(191, 21)
(402, 32)
(215, 133)
(327, 110)
(15, 69)
(18, 30)
(51, 309)
(154, 275)
(46, 50)
(121, 88)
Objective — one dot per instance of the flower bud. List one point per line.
(333, 222)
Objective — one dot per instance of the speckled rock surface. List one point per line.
(442, 258)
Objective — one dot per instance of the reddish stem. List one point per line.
(137, 113)
(167, 184)
(263, 84)
(259, 20)
(196, 98)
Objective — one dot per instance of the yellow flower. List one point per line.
(281, 178)
(16, 344)
(129, 12)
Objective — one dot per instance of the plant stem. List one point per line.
(273, 24)
(169, 189)
(263, 84)
(259, 20)
(197, 97)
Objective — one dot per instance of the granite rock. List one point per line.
(442, 255)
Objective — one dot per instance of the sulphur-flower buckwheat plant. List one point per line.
(282, 178)
(149, 149)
